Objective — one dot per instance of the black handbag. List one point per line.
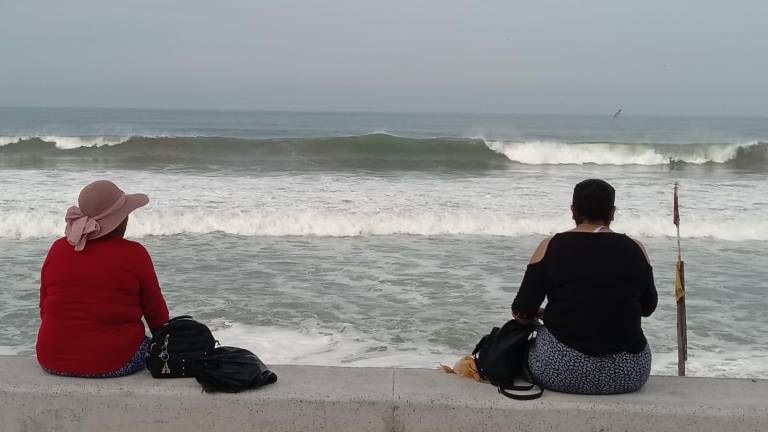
(177, 347)
(231, 370)
(502, 357)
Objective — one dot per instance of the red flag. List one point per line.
(676, 211)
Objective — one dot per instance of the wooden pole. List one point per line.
(682, 326)
(682, 338)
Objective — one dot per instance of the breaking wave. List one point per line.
(555, 153)
(373, 151)
(23, 224)
(67, 142)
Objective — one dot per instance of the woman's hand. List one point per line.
(529, 321)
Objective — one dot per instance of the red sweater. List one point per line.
(91, 304)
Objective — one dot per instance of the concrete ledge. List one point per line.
(307, 398)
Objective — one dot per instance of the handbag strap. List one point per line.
(514, 396)
(505, 389)
(513, 386)
(181, 317)
(479, 345)
(483, 340)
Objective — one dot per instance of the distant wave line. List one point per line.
(372, 150)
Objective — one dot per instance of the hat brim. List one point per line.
(109, 223)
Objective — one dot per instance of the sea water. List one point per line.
(375, 239)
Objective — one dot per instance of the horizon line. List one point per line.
(374, 111)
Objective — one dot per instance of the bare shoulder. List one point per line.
(642, 248)
(540, 251)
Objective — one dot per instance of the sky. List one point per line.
(685, 57)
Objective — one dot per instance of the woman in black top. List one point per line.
(598, 285)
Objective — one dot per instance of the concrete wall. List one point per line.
(364, 399)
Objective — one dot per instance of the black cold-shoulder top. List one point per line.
(597, 286)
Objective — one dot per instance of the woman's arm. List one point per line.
(152, 301)
(527, 321)
(43, 290)
(525, 308)
(44, 276)
(650, 297)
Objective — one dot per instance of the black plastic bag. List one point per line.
(231, 370)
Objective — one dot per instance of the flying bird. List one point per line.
(617, 113)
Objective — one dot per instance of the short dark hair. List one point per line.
(593, 199)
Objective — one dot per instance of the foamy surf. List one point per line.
(316, 346)
(730, 364)
(313, 345)
(23, 224)
(5, 350)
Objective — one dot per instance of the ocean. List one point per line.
(392, 239)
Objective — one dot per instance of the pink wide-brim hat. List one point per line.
(102, 207)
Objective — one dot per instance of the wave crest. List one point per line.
(67, 142)
(556, 153)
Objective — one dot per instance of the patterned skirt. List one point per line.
(136, 363)
(558, 367)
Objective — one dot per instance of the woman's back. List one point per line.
(598, 286)
(91, 304)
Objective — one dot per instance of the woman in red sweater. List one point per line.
(95, 288)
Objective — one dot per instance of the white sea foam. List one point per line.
(5, 140)
(558, 153)
(69, 142)
(281, 346)
(5, 350)
(730, 364)
(23, 224)
(325, 347)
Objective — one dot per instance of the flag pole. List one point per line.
(682, 326)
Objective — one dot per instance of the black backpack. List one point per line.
(177, 346)
(502, 356)
(231, 370)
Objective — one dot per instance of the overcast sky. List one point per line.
(535, 56)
